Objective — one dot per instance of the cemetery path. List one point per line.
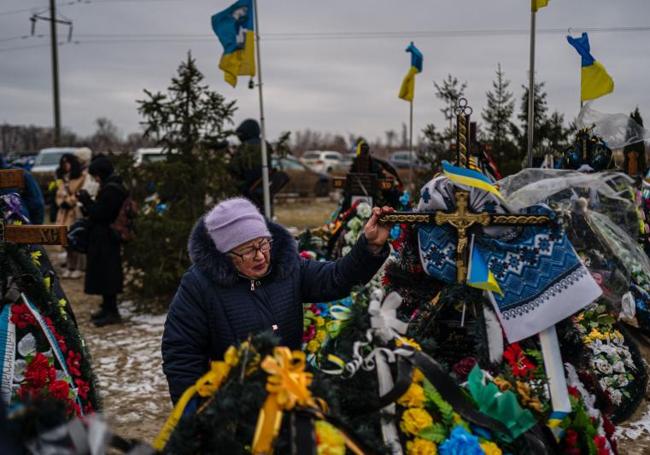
(127, 361)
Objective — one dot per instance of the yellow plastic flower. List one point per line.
(231, 357)
(415, 420)
(490, 448)
(329, 440)
(420, 446)
(320, 322)
(417, 376)
(36, 258)
(402, 341)
(502, 384)
(47, 282)
(62, 303)
(313, 345)
(321, 335)
(526, 397)
(413, 398)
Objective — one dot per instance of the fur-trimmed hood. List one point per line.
(218, 266)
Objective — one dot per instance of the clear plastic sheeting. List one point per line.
(599, 214)
(610, 193)
(617, 130)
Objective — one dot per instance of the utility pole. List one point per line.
(54, 48)
(55, 74)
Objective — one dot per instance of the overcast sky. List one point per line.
(335, 85)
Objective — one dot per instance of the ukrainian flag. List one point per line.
(479, 275)
(407, 90)
(469, 177)
(595, 81)
(537, 4)
(235, 29)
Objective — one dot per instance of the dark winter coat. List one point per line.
(104, 262)
(215, 307)
(246, 163)
(31, 195)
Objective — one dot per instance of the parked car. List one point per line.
(47, 161)
(303, 180)
(402, 160)
(149, 155)
(322, 161)
(344, 165)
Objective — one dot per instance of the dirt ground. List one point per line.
(127, 362)
(303, 214)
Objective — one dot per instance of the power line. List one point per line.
(109, 38)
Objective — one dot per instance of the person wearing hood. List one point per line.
(246, 162)
(104, 275)
(247, 278)
(31, 195)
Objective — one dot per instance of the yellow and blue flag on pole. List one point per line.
(407, 90)
(595, 81)
(479, 275)
(235, 29)
(537, 4)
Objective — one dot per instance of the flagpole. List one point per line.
(411, 144)
(531, 88)
(265, 161)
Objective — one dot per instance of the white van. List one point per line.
(47, 161)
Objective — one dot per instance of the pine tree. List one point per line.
(540, 127)
(189, 122)
(498, 111)
(557, 135)
(449, 92)
(498, 119)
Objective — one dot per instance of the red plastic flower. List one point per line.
(571, 438)
(82, 388)
(601, 445)
(519, 363)
(39, 372)
(74, 363)
(60, 390)
(573, 391)
(463, 367)
(21, 316)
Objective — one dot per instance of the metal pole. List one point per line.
(265, 161)
(531, 89)
(411, 144)
(55, 74)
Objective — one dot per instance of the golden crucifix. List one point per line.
(42, 234)
(463, 219)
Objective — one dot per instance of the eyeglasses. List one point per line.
(250, 253)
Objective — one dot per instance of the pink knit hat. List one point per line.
(234, 222)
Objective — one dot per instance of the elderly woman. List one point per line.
(247, 277)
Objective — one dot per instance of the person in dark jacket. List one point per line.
(104, 274)
(246, 278)
(246, 162)
(31, 195)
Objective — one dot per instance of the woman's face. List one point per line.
(253, 259)
(66, 166)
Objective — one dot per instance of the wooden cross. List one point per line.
(44, 234)
(463, 219)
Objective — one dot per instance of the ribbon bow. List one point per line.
(288, 387)
(383, 316)
(206, 386)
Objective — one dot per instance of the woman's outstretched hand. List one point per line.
(377, 233)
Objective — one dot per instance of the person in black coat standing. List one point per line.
(246, 278)
(104, 274)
